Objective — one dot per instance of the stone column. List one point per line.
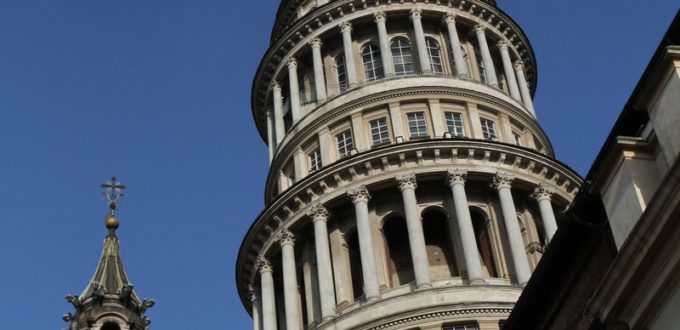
(319, 215)
(543, 195)
(270, 135)
(503, 182)
(290, 285)
(456, 180)
(279, 126)
(360, 198)
(257, 308)
(319, 78)
(509, 71)
(458, 59)
(423, 56)
(407, 184)
(489, 67)
(294, 89)
(268, 296)
(524, 87)
(385, 50)
(350, 66)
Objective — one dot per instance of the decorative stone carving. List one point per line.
(285, 237)
(360, 194)
(146, 304)
(318, 213)
(503, 44)
(416, 13)
(380, 17)
(480, 29)
(73, 300)
(450, 18)
(291, 62)
(315, 43)
(502, 180)
(407, 181)
(542, 192)
(252, 292)
(454, 177)
(263, 265)
(346, 27)
(276, 86)
(519, 65)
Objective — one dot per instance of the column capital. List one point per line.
(503, 44)
(454, 177)
(406, 181)
(502, 180)
(263, 265)
(276, 86)
(519, 65)
(285, 237)
(542, 192)
(252, 293)
(416, 13)
(318, 213)
(315, 42)
(291, 62)
(480, 29)
(380, 17)
(450, 18)
(346, 27)
(360, 194)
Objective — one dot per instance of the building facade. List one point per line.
(410, 184)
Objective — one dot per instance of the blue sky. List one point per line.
(157, 93)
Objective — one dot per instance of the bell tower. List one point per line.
(109, 301)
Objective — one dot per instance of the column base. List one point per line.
(372, 300)
(477, 281)
(424, 286)
(327, 319)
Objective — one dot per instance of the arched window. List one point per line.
(439, 245)
(483, 238)
(341, 72)
(402, 57)
(399, 262)
(373, 65)
(110, 326)
(435, 53)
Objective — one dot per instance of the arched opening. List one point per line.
(399, 262)
(373, 65)
(110, 326)
(352, 241)
(435, 54)
(483, 238)
(439, 245)
(402, 57)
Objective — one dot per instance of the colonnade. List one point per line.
(514, 71)
(264, 301)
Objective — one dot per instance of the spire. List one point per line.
(109, 300)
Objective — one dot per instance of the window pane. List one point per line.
(379, 131)
(416, 124)
(454, 124)
(435, 54)
(518, 138)
(345, 144)
(315, 160)
(373, 66)
(489, 130)
(402, 57)
(342, 73)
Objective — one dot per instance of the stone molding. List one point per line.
(440, 315)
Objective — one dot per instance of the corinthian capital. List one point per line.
(416, 13)
(346, 27)
(263, 265)
(519, 65)
(315, 43)
(252, 292)
(360, 194)
(480, 29)
(318, 213)
(450, 18)
(542, 192)
(503, 44)
(407, 181)
(291, 62)
(285, 237)
(454, 177)
(502, 180)
(380, 17)
(276, 86)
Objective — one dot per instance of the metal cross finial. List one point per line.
(113, 191)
